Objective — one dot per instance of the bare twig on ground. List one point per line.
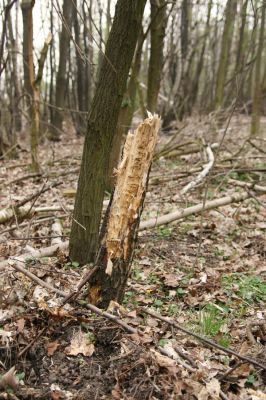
(18, 208)
(199, 178)
(204, 340)
(117, 320)
(182, 213)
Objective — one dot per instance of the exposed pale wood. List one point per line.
(115, 255)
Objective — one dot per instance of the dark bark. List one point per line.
(158, 16)
(101, 128)
(81, 89)
(61, 82)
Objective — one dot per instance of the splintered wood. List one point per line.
(108, 281)
(132, 176)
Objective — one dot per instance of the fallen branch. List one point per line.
(204, 340)
(56, 232)
(120, 322)
(44, 252)
(18, 210)
(201, 175)
(179, 214)
(90, 307)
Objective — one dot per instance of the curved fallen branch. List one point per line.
(201, 175)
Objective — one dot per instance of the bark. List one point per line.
(200, 64)
(80, 78)
(29, 77)
(126, 113)
(102, 123)
(158, 26)
(61, 76)
(225, 50)
(14, 76)
(257, 92)
(116, 251)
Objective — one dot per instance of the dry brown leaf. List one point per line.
(171, 280)
(163, 361)
(116, 392)
(132, 314)
(80, 344)
(20, 324)
(9, 379)
(51, 347)
(256, 395)
(213, 388)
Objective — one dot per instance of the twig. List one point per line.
(37, 193)
(22, 352)
(201, 175)
(209, 205)
(204, 340)
(90, 307)
(35, 278)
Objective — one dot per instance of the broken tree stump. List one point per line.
(119, 233)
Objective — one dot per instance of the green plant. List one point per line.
(211, 320)
(162, 342)
(172, 310)
(252, 377)
(71, 265)
(224, 341)
(153, 278)
(248, 288)
(164, 231)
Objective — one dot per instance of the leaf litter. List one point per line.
(218, 292)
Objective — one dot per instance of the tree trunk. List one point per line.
(61, 82)
(195, 84)
(158, 25)
(126, 113)
(225, 50)
(80, 78)
(101, 128)
(257, 92)
(113, 264)
(14, 74)
(29, 77)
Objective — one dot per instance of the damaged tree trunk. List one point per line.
(113, 263)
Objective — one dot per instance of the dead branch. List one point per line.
(56, 232)
(90, 307)
(182, 213)
(18, 209)
(204, 340)
(44, 252)
(120, 322)
(199, 178)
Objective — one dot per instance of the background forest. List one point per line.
(163, 227)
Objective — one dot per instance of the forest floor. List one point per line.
(206, 271)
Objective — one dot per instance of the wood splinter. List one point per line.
(116, 249)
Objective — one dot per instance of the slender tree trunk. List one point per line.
(80, 78)
(195, 84)
(60, 90)
(101, 128)
(29, 77)
(257, 92)
(158, 25)
(14, 75)
(225, 50)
